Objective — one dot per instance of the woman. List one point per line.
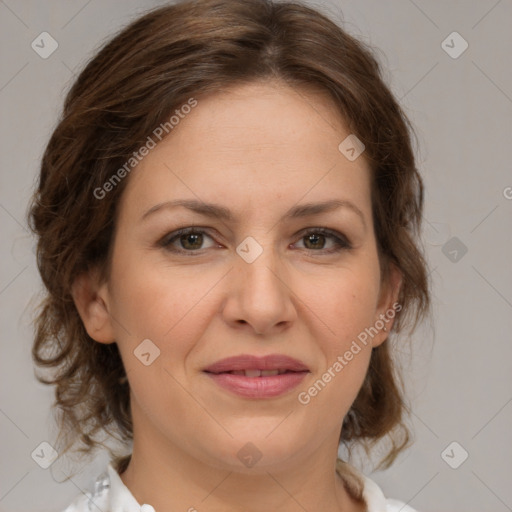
(227, 216)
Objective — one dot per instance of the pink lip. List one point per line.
(250, 362)
(258, 387)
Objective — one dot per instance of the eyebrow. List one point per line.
(220, 212)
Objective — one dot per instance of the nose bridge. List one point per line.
(259, 265)
(259, 295)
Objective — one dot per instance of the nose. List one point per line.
(260, 297)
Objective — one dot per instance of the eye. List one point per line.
(187, 239)
(315, 240)
(190, 240)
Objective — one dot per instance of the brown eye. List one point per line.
(315, 240)
(191, 240)
(186, 240)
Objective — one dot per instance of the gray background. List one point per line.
(459, 375)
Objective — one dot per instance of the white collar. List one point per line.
(373, 495)
(121, 499)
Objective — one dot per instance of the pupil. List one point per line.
(192, 236)
(314, 238)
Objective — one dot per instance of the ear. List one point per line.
(388, 305)
(91, 300)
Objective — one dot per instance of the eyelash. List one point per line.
(340, 241)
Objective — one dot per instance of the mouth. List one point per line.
(258, 377)
(255, 373)
(249, 365)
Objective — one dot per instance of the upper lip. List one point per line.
(250, 362)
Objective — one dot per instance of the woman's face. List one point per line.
(254, 283)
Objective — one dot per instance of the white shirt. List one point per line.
(111, 495)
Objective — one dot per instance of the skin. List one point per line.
(258, 150)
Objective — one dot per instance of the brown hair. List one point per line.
(133, 84)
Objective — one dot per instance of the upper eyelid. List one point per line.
(208, 231)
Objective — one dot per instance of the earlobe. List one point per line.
(90, 298)
(388, 305)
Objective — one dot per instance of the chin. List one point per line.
(257, 451)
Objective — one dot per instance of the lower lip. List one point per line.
(258, 387)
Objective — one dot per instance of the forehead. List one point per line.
(255, 145)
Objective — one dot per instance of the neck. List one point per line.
(171, 479)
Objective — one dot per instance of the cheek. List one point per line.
(344, 301)
(345, 307)
(344, 304)
(168, 305)
(154, 300)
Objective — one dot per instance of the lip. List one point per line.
(257, 387)
(250, 362)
